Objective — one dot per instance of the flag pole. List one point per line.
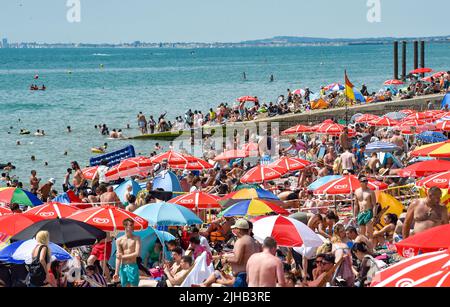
(346, 102)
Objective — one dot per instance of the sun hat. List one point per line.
(241, 224)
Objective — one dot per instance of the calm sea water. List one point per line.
(92, 86)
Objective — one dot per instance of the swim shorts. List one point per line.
(364, 217)
(129, 274)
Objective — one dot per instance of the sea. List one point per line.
(88, 87)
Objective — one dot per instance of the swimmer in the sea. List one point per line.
(33, 158)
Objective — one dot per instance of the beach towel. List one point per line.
(199, 273)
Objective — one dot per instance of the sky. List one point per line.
(116, 21)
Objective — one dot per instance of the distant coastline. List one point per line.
(278, 41)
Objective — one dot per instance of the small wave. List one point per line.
(101, 54)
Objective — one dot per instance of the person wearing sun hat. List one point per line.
(44, 190)
(244, 248)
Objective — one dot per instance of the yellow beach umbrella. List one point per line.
(441, 150)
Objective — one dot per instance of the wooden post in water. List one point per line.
(396, 60)
(416, 54)
(422, 56)
(403, 60)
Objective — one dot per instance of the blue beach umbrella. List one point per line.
(381, 147)
(20, 252)
(321, 181)
(167, 214)
(431, 137)
(446, 100)
(167, 181)
(359, 96)
(148, 239)
(121, 190)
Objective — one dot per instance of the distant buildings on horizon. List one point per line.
(272, 42)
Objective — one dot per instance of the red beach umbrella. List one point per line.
(346, 185)
(393, 82)
(426, 270)
(198, 165)
(52, 210)
(129, 167)
(15, 223)
(247, 98)
(440, 180)
(365, 118)
(290, 164)
(297, 129)
(421, 70)
(232, 154)
(251, 147)
(89, 172)
(431, 240)
(443, 126)
(413, 122)
(425, 168)
(384, 122)
(437, 150)
(197, 200)
(262, 173)
(108, 218)
(173, 157)
(5, 211)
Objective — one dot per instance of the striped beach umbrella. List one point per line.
(20, 252)
(440, 180)
(443, 126)
(393, 82)
(425, 168)
(129, 167)
(89, 172)
(108, 218)
(365, 118)
(384, 122)
(14, 223)
(396, 115)
(288, 232)
(173, 157)
(197, 200)
(381, 146)
(5, 211)
(232, 154)
(297, 129)
(431, 240)
(438, 150)
(261, 173)
(19, 196)
(346, 185)
(198, 165)
(252, 207)
(248, 193)
(291, 164)
(426, 270)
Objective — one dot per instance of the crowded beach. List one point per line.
(360, 204)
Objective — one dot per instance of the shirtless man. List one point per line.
(348, 161)
(265, 269)
(142, 123)
(78, 179)
(373, 162)
(244, 248)
(397, 139)
(236, 171)
(34, 181)
(426, 213)
(329, 158)
(364, 210)
(344, 140)
(128, 249)
(109, 197)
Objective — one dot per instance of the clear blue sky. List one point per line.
(217, 20)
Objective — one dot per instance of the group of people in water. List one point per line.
(34, 87)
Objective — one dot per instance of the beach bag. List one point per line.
(37, 273)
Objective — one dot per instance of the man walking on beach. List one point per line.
(365, 203)
(426, 213)
(128, 249)
(244, 248)
(265, 269)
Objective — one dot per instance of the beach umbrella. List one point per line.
(431, 240)
(19, 196)
(251, 147)
(409, 127)
(396, 115)
(393, 82)
(421, 71)
(108, 218)
(365, 118)
(167, 214)
(443, 126)
(20, 252)
(297, 129)
(421, 115)
(381, 146)
(437, 150)
(413, 122)
(441, 117)
(384, 122)
(52, 210)
(63, 232)
(426, 270)
(425, 168)
(439, 74)
(232, 154)
(321, 181)
(129, 167)
(248, 193)
(445, 100)
(331, 129)
(358, 96)
(89, 172)
(14, 223)
(122, 189)
(290, 164)
(5, 211)
(300, 91)
(261, 173)
(407, 111)
(288, 232)
(431, 137)
(346, 185)
(440, 180)
(355, 117)
(198, 165)
(247, 98)
(173, 157)
(167, 181)
(71, 198)
(335, 87)
(253, 207)
(197, 200)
